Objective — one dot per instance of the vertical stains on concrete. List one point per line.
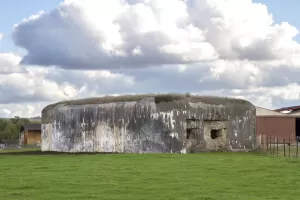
(174, 124)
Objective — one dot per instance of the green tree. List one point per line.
(3, 123)
(10, 128)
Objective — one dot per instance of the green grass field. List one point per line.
(247, 176)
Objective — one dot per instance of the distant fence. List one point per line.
(279, 146)
(16, 146)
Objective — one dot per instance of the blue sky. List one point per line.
(284, 11)
(13, 11)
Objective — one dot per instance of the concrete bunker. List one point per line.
(215, 133)
(171, 123)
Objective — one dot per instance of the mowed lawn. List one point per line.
(207, 176)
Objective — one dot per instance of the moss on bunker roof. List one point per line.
(159, 98)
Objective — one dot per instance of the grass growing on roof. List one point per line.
(159, 98)
(238, 176)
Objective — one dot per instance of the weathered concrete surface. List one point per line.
(139, 124)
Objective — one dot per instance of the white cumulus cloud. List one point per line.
(112, 34)
(9, 63)
(21, 84)
(91, 48)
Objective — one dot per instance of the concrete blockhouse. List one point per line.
(149, 123)
(30, 134)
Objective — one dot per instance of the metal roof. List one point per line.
(292, 108)
(267, 112)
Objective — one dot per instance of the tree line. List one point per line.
(10, 129)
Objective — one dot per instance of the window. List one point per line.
(190, 133)
(215, 133)
(192, 128)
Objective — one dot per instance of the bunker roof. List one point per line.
(158, 98)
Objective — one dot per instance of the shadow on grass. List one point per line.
(39, 152)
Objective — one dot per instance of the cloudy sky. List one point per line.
(56, 50)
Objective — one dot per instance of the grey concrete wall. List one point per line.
(147, 126)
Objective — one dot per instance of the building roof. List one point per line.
(32, 127)
(291, 108)
(267, 112)
(158, 98)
